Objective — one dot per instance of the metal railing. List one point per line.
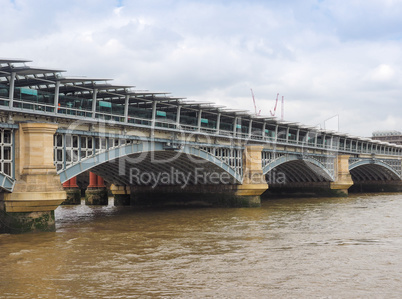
(71, 112)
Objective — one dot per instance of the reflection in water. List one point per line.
(326, 247)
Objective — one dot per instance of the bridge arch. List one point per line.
(115, 165)
(372, 169)
(298, 168)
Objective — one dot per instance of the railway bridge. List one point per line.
(153, 148)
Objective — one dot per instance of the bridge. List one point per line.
(152, 148)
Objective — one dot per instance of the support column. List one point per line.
(66, 184)
(73, 192)
(93, 182)
(96, 193)
(218, 123)
(121, 195)
(343, 179)
(100, 182)
(94, 96)
(254, 183)
(126, 104)
(38, 191)
(178, 117)
(73, 182)
(199, 120)
(11, 90)
(56, 97)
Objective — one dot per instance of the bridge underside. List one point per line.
(374, 178)
(372, 172)
(297, 171)
(162, 168)
(298, 177)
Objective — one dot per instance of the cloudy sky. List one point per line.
(330, 59)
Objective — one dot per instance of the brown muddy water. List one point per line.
(289, 248)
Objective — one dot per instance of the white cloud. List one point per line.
(325, 57)
(382, 73)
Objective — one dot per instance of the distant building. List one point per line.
(388, 136)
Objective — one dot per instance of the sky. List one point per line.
(338, 64)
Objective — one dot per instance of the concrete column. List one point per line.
(153, 114)
(126, 104)
(254, 183)
(199, 120)
(11, 91)
(38, 191)
(234, 126)
(94, 96)
(343, 179)
(263, 130)
(276, 133)
(178, 117)
(96, 193)
(218, 123)
(56, 97)
(121, 195)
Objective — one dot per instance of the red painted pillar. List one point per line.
(92, 180)
(66, 184)
(101, 182)
(73, 182)
(96, 193)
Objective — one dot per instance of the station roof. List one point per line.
(45, 79)
(27, 70)
(16, 60)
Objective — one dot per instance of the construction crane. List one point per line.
(276, 104)
(282, 107)
(255, 106)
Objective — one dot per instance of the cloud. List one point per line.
(326, 57)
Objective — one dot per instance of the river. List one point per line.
(289, 248)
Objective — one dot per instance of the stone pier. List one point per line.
(73, 192)
(343, 179)
(38, 191)
(121, 195)
(254, 182)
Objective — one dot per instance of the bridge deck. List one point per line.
(45, 92)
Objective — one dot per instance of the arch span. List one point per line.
(188, 164)
(298, 168)
(372, 169)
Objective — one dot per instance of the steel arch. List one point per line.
(374, 162)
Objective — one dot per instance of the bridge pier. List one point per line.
(73, 192)
(37, 191)
(343, 179)
(121, 195)
(254, 182)
(96, 193)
